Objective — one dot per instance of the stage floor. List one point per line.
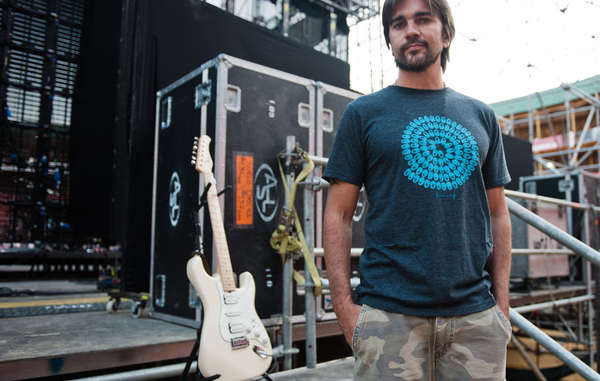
(336, 370)
(69, 343)
(45, 345)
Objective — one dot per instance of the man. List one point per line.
(433, 298)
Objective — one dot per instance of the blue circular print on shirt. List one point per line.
(441, 154)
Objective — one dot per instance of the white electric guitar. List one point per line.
(233, 341)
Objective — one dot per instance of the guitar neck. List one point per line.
(220, 239)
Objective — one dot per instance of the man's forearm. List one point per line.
(501, 258)
(337, 241)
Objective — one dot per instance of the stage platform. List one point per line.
(45, 345)
(336, 370)
(61, 344)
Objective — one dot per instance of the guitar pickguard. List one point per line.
(238, 318)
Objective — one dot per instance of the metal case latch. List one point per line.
(165, 112)
(202, 94)
(160, 301)
(304, 115)
(327, 120)
(565, 185)
(233, 98)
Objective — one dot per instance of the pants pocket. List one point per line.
(358, 326)
(504, 322)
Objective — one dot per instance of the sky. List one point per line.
(503, 49)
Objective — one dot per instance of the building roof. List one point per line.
(590, 86)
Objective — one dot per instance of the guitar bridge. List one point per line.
(239, 343)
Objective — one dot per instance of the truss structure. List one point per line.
(356, 10)
(39, 55)
(565, 136)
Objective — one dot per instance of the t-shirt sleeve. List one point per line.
(495, 171)
(346, 161)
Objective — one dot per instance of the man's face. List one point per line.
(416, 36)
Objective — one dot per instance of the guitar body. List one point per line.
(233, 341)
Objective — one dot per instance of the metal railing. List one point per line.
(579, 248)
(573, 245)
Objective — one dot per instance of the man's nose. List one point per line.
(412, 29)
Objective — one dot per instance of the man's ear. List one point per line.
(445, 40)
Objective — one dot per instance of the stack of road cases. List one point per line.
(577, 186)
(248, 110)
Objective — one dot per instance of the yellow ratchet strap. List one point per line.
(282, 239)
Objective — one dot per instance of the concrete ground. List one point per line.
(336, 370)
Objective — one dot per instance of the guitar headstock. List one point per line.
(201, 159)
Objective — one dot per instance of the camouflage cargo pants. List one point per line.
(390, 346)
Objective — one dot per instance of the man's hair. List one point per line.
(438, 7)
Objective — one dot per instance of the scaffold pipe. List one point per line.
(319, 160)
(547, 342)
(357, 251)
(354, 252)
(542, 252)
(561, 236)
(549, 200)
(156, 373)
(554, 303)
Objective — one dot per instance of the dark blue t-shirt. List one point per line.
(425, 158)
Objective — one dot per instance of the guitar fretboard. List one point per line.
(220, 239)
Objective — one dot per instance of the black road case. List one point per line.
(331, 103)
(247, 110)
(577, 186)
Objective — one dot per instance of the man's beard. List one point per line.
(415, 65)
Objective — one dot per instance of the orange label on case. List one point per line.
(244, 174)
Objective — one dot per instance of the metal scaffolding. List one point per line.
(40, 49)
(564, 134)
(573, 245)
(283, 15)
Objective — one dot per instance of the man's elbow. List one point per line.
(334, 216)
(502, 218)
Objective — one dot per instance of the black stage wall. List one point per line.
(519, 159)
(131, 49)
(190, 32)
(92, 122)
